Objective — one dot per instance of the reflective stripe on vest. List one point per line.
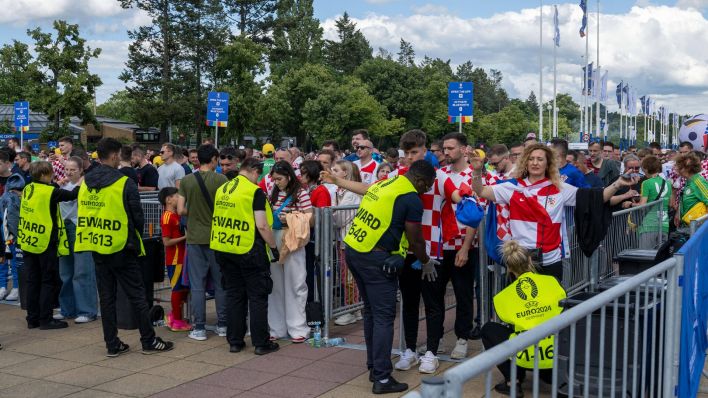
(63, 246)
(35, 227)
(529, 301)
(373, 218)
(233, 226)
(102, 223)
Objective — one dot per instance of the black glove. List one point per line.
(276, 255)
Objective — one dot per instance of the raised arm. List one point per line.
(354, 186)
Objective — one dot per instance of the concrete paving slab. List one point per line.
(88, 376)
(304, 351)
(44, 347)
(41, 367)
(289, 386)
(184, 370)
(238, 379)
(325, 371)
(8, 380)
(89, 393)
(87, 355)
(138, 385)
(198, 390)
(222, 357)
(39, 389)
(282, 366)
(134, 361)
(12, 358)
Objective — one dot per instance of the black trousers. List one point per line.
(555, 269)
(495, 333)
(378, 290)
(410, 285)
(463, 281)
(247, 283)
(122, 268)
(42, 271)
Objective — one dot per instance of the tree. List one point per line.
(239, 64)
(531, 105)
(64, 85)
(489, 96)
(345, 106)
(507, 126)
(350, 51)
(297, 37)
(152, 59)
(119, 106)
(18, 72)
(406, 54)
(254, 18)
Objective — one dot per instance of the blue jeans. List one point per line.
(13, 266)
(202, 266)
(77, 271)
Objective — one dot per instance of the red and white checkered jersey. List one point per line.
(367, 171)
(58, 166)
(453, 182)
(503, 228)
(537, 215)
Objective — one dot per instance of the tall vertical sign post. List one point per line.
(460, 99)
(217, 112)
(22, 119)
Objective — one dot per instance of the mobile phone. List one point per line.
(629, 176)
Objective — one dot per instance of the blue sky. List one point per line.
(656, 45)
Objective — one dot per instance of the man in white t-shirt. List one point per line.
(366, 164)
(170, 172)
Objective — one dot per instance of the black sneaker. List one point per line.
(371, 375)
(236, 347)
(268, 348)
(122, 348)
(53, 324)
(158, 345)
(392, 386)
(32, 324)
(505, 388)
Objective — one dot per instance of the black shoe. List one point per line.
(505, 388)
(53, 324)
(158, 345)
(476, 333)
(32, 324)
(371, 375)
(122, 348)
(236, 347)
(392, 386)
(268, 348)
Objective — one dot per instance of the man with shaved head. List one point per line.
(366, 164)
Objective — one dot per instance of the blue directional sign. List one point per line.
(460, 99)
(52, 144)
(35, 147)
(217, 109)
(22, 115)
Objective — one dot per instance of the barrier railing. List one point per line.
(635, 356)
(696, 224)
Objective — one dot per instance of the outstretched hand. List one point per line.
(327, 177)
(627, 182)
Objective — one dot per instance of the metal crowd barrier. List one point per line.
(635, 356)
(695, 224)
(152, 211)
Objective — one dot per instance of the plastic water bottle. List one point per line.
(317, 337)
(333, 342)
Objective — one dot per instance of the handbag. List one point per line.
(313, 309)
(469, 212)
(277, 224)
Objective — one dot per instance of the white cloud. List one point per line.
(109, 65)
(697, 4)
(657, 49)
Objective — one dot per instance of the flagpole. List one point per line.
(555, 115)
(607, 121)
(584, 80)
(540, 72)
(599, 72)
(587, 72)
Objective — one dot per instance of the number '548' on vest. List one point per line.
(35, 226)
(233, 226)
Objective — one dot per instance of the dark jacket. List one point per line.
(102, 176)
(592, 218)
(609, 171)
(10, 205)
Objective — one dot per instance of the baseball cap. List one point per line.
(530, 136)
(268, 149)
(94, 155)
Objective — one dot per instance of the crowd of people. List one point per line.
(237, 225)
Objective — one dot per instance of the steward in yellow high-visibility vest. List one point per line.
(42, 238)
(528, 301)
(109, 224)
(386, 225)
(240, 231)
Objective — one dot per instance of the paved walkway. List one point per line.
(72, 363)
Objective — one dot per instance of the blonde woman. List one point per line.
(528, 287)
(346, 170)
(537, 199)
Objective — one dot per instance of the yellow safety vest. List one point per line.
(529, 301)
(374, 215)
(35, 227)
(102, 222)
(233, 226)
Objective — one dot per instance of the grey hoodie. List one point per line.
(10, 204)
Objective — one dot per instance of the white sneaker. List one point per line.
(460, 350)
(407, 360)
(198, 334)
(345, 319)
(428, 363)
(3, 293)
(83, 319)
(424, 348)
(358, 315)
(58, 316)
(221, 331)
(14, 295)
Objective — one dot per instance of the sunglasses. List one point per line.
(362, 147)
(230, 157)
(494, 164)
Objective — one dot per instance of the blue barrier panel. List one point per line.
(694, 313)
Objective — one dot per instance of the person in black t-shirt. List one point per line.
(147, 173)
(126, 166)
